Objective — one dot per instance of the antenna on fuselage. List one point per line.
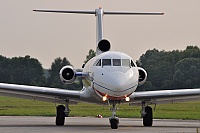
(103, 45)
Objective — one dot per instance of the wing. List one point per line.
(39, 93)
(165, 96)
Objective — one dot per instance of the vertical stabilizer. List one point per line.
(99, 24)
(102, 45)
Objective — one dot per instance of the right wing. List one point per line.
(39, 93)
(165, 96)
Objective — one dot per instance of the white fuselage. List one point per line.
(112, 75)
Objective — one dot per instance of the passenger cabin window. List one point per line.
(126, 62)
(116, 62)
(106, 62)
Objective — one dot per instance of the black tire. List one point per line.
(148, 118)
(60, 115)
(114, 123)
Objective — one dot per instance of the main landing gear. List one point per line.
(114, 120)
(147, 115)
(61, 113)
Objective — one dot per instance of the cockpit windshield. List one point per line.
(106, 62)
(126, 62)
(115, 62)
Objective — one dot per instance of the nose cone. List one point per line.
(118, 81)
(117, 84)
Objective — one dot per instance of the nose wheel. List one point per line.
(114, 120)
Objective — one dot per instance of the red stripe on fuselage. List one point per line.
(111, 97)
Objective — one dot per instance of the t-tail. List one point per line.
(102, 45)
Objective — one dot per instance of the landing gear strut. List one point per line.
(147, 115)
(61, 113)
(114, 120)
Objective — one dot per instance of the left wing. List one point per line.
(165, 96)
(39, 93)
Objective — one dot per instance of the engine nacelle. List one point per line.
(104, 45)
(142, 76)
(67, 74)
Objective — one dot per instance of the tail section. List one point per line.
(102, 45)
(71, 11)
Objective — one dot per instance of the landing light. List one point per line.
(127, 99)
(105, 98)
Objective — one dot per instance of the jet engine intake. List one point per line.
(67, 74)
(142, 76)
(104, 45)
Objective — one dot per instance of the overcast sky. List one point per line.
(46, 36)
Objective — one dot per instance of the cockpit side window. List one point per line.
(116, 62)
(132, 64)
(126, 62)
(106, 62)
(98, 63)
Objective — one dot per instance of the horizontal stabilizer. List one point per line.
(102, 44)
(105, 12)
(69, 11)
(133, 13)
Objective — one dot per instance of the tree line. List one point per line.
(166, 70)
(171, 69)
(29, 71)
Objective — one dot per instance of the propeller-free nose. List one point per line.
(116, 84)
(119, 81)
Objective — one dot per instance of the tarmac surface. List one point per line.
(32, 124)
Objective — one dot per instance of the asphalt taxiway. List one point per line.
(23, 124)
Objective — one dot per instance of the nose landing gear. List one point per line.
(114, 120)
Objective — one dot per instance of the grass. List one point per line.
(20, 107)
